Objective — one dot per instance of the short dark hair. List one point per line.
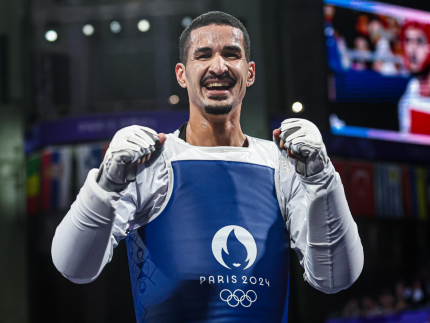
(212, 18)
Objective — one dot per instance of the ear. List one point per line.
(251, 74)
(181, 76)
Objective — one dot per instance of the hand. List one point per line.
(302, 141)
(129, 147)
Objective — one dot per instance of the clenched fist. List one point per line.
(129, 147)
(303, 142)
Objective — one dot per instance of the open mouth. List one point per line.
(218, 87)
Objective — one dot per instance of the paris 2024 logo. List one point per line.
(220, 250)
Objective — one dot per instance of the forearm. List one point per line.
(82, 244)
(333, 258)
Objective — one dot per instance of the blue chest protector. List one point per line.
(219, 251)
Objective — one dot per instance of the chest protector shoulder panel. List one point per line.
(218, 252)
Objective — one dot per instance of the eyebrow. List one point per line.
(229, 47)
(202, 49)
(233, 48)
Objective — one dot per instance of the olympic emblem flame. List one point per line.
(219, 243)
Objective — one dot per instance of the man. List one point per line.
(414, 106)
(210, 213)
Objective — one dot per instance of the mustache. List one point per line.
(223, 76)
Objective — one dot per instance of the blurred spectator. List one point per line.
(417, 296)
(407, 293)
(352, 309)
(380, 38)
(361, 46)
(386, 300)
(370, 307)
(362, 25)
(401, 302)
(405, 297)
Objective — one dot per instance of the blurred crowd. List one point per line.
(404, 295)
(376, 44)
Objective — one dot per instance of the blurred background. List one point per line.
(73, 72)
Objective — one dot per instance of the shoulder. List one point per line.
(261, 144)
(264, 152)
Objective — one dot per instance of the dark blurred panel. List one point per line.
(365, 114)
(122, 54)
(60, 76)
(4, 69)
(54, 299)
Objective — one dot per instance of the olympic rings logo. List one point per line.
(238, 297)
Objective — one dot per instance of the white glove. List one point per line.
(304, 139)
(129, 147)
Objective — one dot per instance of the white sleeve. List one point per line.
(84, 241)
(322, 230)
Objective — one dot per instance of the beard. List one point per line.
(218, 110)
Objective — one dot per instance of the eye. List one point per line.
(231, 55)
(204, 56)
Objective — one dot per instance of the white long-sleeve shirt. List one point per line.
(321, 228)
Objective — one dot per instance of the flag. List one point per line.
(420, 190)
(362, 200)
(408, 198)
(33, 184)
(56, 178)
(88, 157)
(389, 197)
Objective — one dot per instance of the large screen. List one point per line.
(378, 58)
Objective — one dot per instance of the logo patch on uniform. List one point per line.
(219, 243)
(238, 236)
(238, 297)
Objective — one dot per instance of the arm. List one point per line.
(97, 221)
(323, 232)
(83, 242)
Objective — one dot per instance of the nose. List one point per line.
(218, 65)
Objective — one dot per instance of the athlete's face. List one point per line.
(217, 73)
(416, 49)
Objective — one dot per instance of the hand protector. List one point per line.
(129, 147)
(305, 141)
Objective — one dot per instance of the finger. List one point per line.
(147, 157)
(296, 148)
(143, 144)
(290, 121)
(296, 134)
(126, 156)
(141, 155)
(162, 138)
(291, 154)
(282, 144)
(276, 134)
(148, 130)
(127, 145)
(142, 134)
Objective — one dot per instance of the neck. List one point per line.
(210, 131)
(425, 85)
